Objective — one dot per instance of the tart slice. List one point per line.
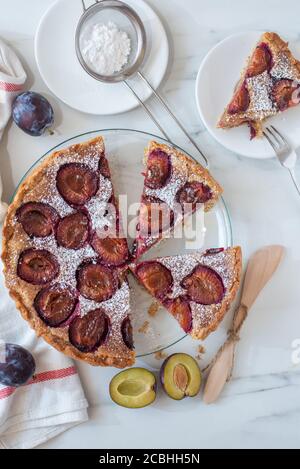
(64, 258)
(174, 187)
(269, 84)
(197, 289)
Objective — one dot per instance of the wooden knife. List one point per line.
(260, 269)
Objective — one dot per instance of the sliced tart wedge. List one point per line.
(175, 186)
(197, 288)
(269, 84)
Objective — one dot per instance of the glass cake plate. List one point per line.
(125, 150)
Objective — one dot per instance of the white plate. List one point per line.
(125, 150)
(217, 77)
(59, 67)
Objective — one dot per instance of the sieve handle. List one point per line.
(171, 114)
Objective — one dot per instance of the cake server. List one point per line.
(260, 269)
(137, 58)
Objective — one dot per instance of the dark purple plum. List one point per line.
(32, 113)
(17, 365)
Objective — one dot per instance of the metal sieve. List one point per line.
(129, 21)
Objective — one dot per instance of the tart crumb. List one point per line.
(200, 352)
(144, 328)
(153, 309)
(160, 355)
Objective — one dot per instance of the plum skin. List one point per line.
(162, 375)
(132, 401)
(18, 368)
(32, 113)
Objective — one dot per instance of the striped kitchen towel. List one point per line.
(52, 402)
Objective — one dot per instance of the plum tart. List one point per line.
(63, 266)
(269, 84)
(174, 187)
(197, 288)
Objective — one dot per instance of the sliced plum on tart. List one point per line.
(77, 183)
(197, 288)
(55, 305)
(37, 219)
(96, 282)
(155, 277)
(127, 333)
(181, 311)
(37, 266)
(155, 217)
(194, 193)
(73, 231)
(111, 251)
(204, 286)
(158, 169)
(88, 332)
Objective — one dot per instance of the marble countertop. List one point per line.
(261, 406)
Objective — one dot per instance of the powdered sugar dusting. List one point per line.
(283, 69)
(97, 205)
(259, 88)
(68, 259)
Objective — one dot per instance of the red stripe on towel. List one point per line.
(10, 87)
(40, 378)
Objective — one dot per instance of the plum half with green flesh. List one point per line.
(134, 388)
(180, 376)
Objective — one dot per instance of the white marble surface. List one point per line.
(261, 406)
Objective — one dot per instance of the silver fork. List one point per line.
(284, 152)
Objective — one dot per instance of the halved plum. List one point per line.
(194, 193)
(73, 231)
(55, 305)
(286, 94)
(127, 335)
(240, 101)
(155, 277)
(76, 183)
(37, 266)
(96, 282)
(87, 333)
(158, 169)
(112, 251)
(155, 217)
(181, 310)
(180, 376)
(38, 219)
(261, 60)
(134, 388)
(204, 286)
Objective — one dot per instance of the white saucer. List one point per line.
(217, 77)
(59, 67)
